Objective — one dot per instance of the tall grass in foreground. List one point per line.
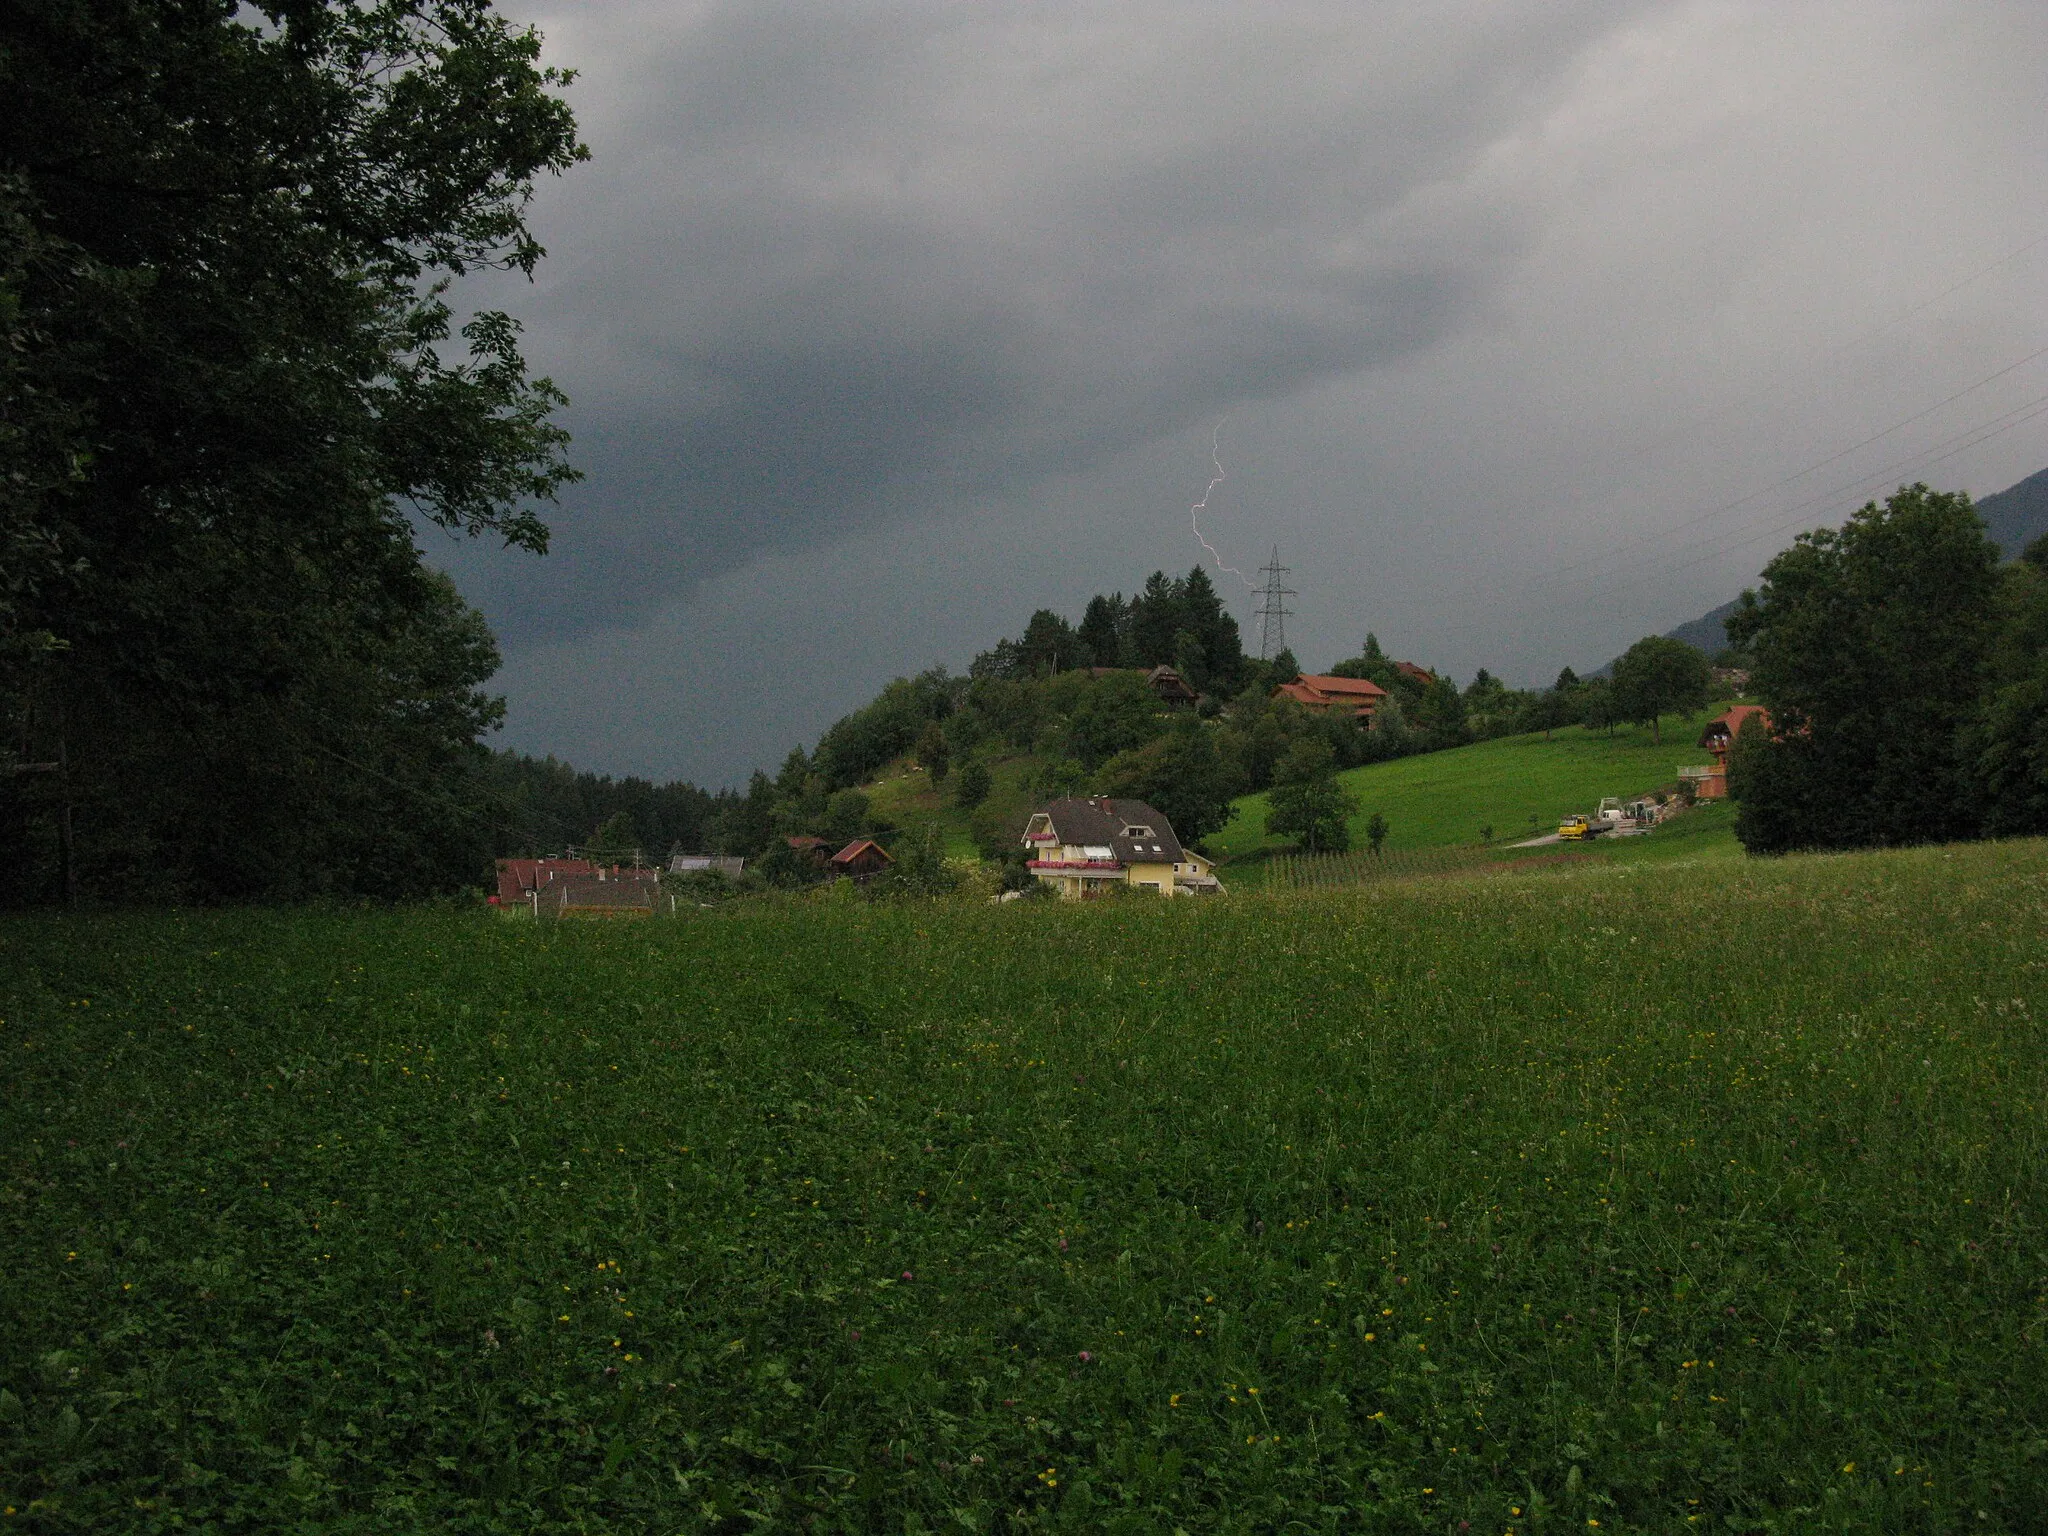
(1563, 1204)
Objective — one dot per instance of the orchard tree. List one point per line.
(972, 784)
(1308, 803)
(1659, 676)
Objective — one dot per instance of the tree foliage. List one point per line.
(1172, 621)
(2007, 745)
(1870, 646)
(1181, 775)
(1659, 676)
(1307, 802)
(232, 376)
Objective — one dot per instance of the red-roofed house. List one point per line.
(1719, 738)
(1356, 696)
(1422, 675)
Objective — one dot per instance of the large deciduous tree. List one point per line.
(2007, 744)
(1870, 646)
(1308, 803)
(1659, 676)
(232, 376)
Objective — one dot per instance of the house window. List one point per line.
(1139, 832)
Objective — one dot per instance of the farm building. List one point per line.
(1169, 685)
(553, 887)
(863, 859)
(1356, 696)
(1083, 847)
(518, 879)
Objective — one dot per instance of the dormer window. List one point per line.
(1140, 832)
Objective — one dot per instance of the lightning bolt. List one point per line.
(1195, 512)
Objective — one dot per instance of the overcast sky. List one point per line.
(1530, 328)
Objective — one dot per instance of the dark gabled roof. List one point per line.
(1169, 684)
(1101, 822)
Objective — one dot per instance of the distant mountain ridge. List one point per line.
(2014, 517)
(2017, 515)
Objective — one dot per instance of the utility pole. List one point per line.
(1273, 610)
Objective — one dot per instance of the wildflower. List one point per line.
(1086, 1357)
(906, 1274)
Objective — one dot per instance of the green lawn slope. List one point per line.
(905, 796)
(1518, 785)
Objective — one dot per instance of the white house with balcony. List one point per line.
(1083, 847)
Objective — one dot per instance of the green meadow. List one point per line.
(1517, 785)
(1601, 1197)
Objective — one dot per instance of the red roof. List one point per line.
(1359, 687)
(805, 841)
(1319, 691)
(858, 849)
(1410, 669)
(516, 877)
(1725, 727)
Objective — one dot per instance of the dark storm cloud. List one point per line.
(886, 324)
(835, 265)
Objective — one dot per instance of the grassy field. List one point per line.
(1566, 1201)
(1518, 785)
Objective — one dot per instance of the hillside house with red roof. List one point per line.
(1710, 782)
(1358, 697)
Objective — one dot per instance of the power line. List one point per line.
(1852, 343)
(1958, 442)
(1579, 569)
